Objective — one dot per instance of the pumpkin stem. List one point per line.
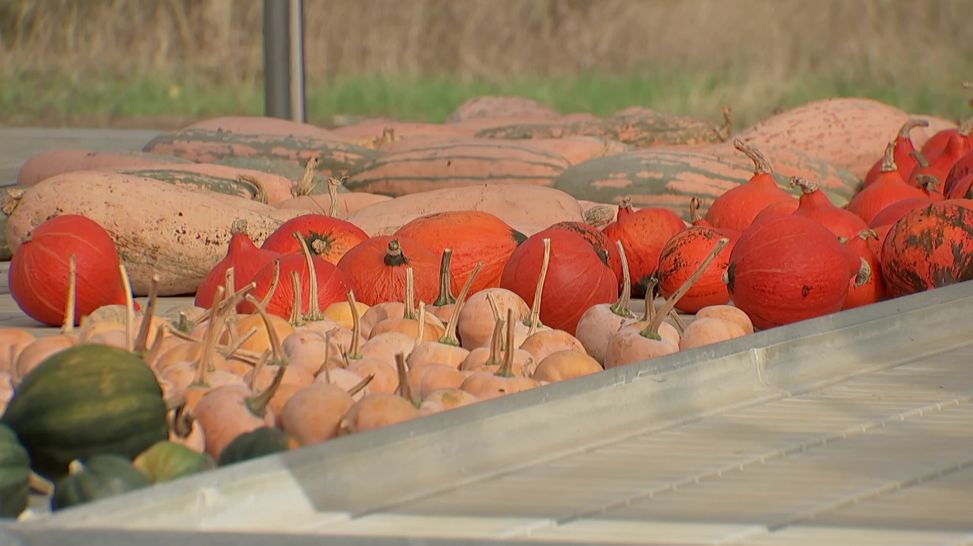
(70, 306)
(652, 330)
(403, 389)
(354, 349)
(535, 308)
(507, 367)
(274, 281)
(599, 216)
(75, 467)
(259, 192)
(649, 312)
(295, 317)
(360, 386)
(888, 159)
(275, 345)
(620, 307)
(445, 296)
(324, 368)
(677, 320)
(152, 355)
(393, 255)
(495, 358)
(410, 295)
(11, 201)
(494, 306)
(864, 273)
(695, 203)
(724, 131)
(421, 327)
(805, 185)
(867, 234)
(449, 336)
(761, 165)
(313, 310)
(142, 339)
(966, 127)
(129, 309)
(238, 226)
(911, 124)
(213, 329)
(257, 404)
(333, 183)
(928, 182)
(920, 159)
(306, 184)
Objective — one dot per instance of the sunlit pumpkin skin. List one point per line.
(376, 269)
(576, 277)
(38, 276)
(325, 236)
(603, 246)
(737, 207)
(902, 153)
(682, 255)
(867, 284)
(332, 283)
(892, 213)
(643, 234)
(927, 248)
(961, 170)
(243, 256)
(787, 269)
(815, 205)
(473, 236)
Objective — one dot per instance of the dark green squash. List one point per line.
(167, 460)
(100, 477)
(14, 475)
(256, 443)
(85, 401)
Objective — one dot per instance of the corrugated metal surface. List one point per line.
(850, 429)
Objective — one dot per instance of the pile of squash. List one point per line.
(323, 265)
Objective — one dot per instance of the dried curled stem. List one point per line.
(760, 162)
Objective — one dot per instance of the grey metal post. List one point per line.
(284, 59)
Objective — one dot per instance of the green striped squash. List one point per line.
(424, 165)
(667, 178)
(14, 475)
(637, 127)
(84, 401)
(219, 139)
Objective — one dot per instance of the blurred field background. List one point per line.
(163, 63)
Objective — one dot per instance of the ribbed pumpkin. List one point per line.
(167, 460)
(902, 152)
(376, 269)
(14, 475)
(680, 258)
(457, 163)
(815, 205)
(256, 443)
(929, 247)
(736, 208)
(576, 277)
(84, 401)
(473, 236)
(245, 259)
(639, 127)
(962, 171)
(643, 233)
(325, 236)
(787, 269)
(260, 138)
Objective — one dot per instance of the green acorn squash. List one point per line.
(100, 477)
(256, 443)
(14, 475)
(167, 460)
(85, 401)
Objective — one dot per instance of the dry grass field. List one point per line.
(162, 62)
